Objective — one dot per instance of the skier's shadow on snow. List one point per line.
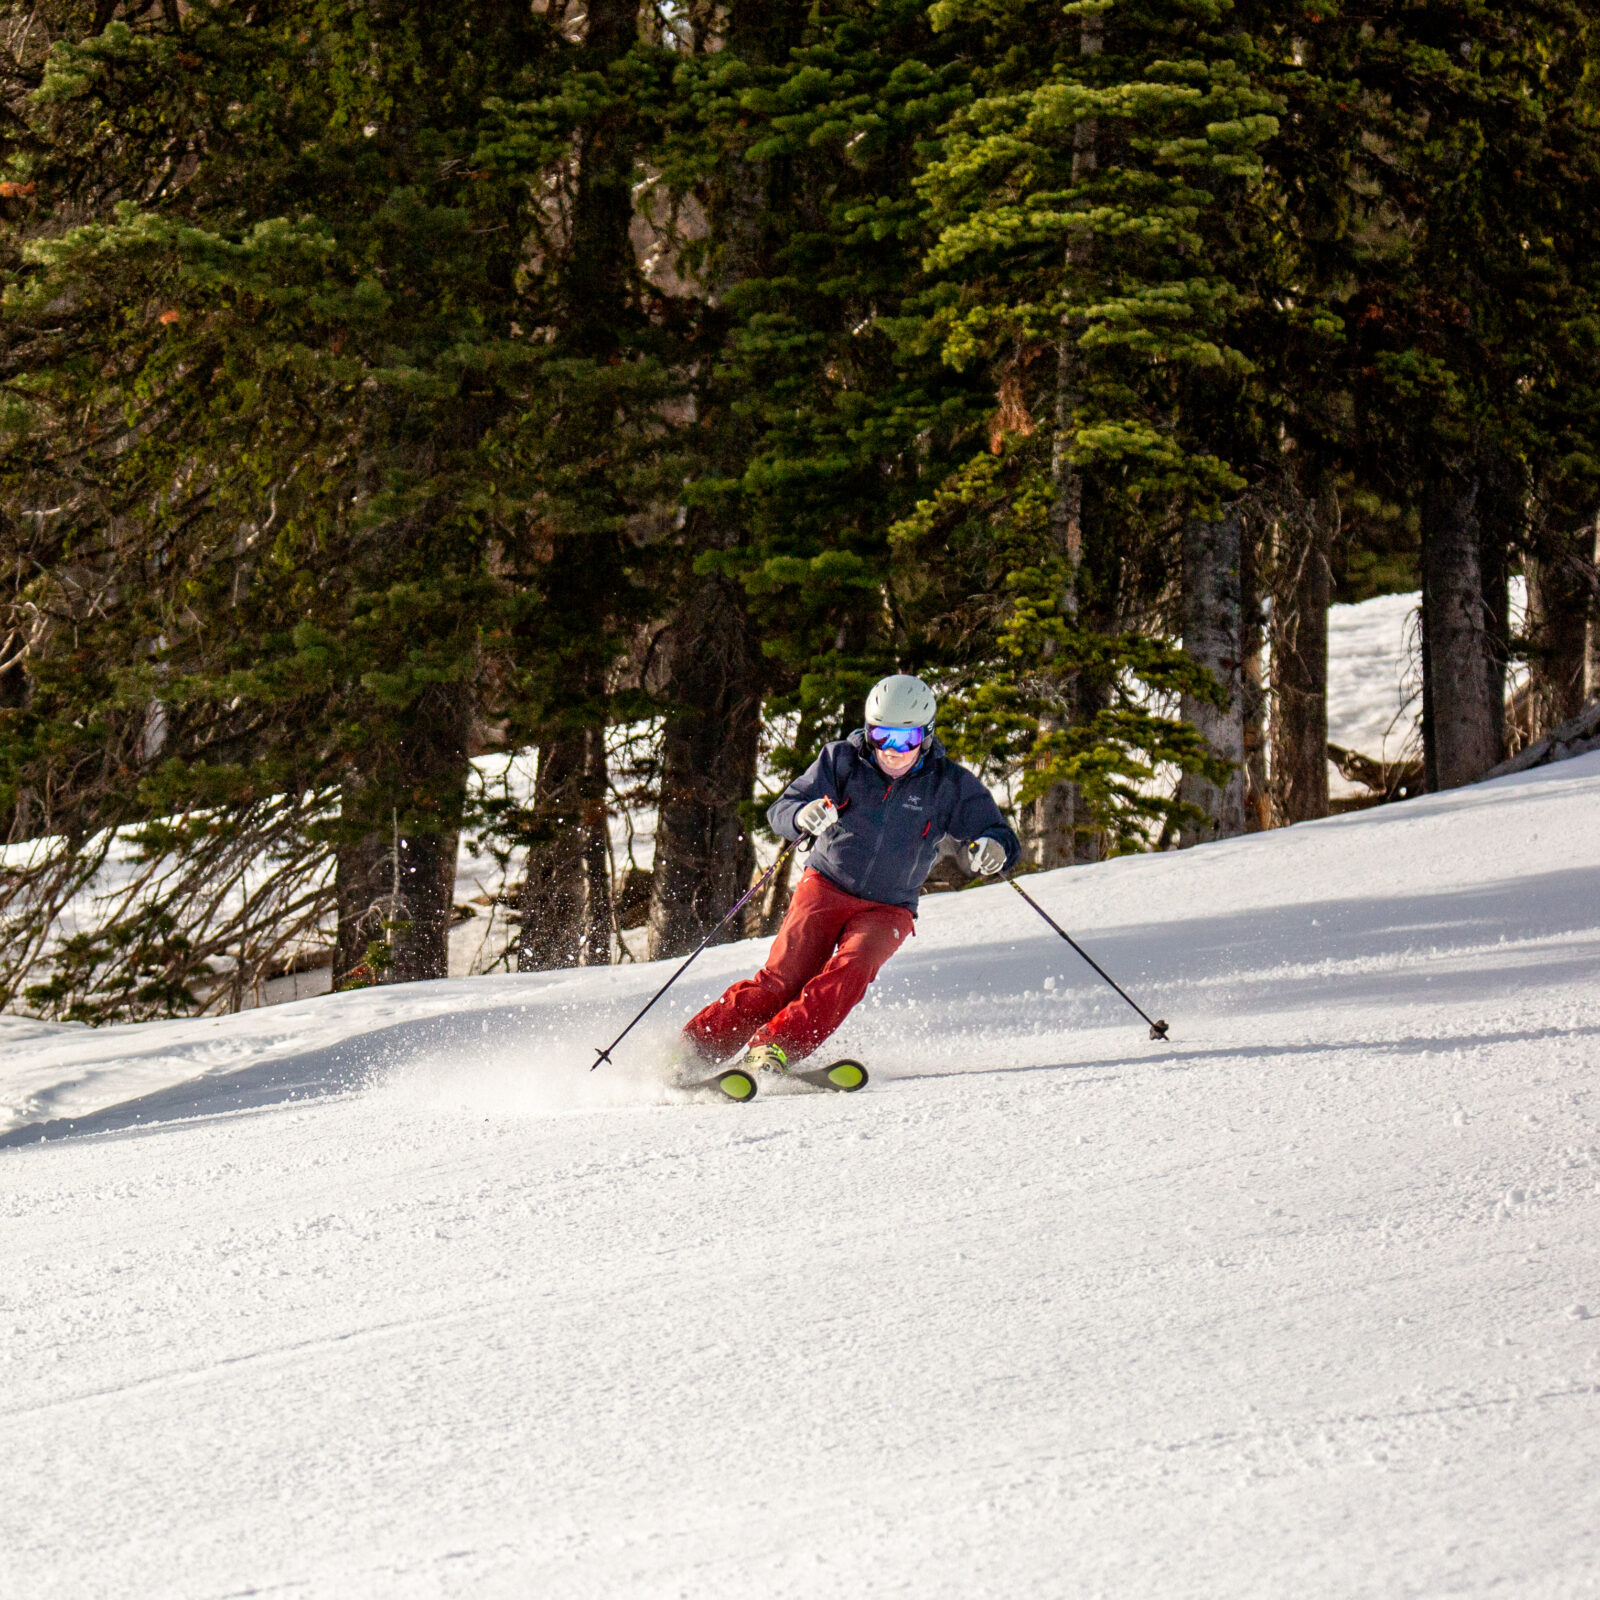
(344, 1068)
(1179, 1058)
(1267, 959)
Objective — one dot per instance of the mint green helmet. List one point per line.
(901, 702)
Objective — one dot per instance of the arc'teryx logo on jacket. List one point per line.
(887, 837)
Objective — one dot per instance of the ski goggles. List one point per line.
(897, 739)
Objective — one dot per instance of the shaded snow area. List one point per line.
(385, 1294)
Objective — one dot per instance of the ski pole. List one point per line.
(744, 900)
(1158, 1030)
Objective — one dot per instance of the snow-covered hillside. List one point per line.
(386, 1294)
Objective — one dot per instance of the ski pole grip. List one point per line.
(807, 841)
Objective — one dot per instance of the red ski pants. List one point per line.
(828, 950)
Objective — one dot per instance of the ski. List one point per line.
(845, 1076)
(735, 1083)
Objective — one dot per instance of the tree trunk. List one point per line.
(1050, 824)
(1460, 736)
(366, 892)
(1300, 671)
(600, 261)
(1591, 671)
(1558, 642)
(1213, 634)
(715, 676)
(566, 887)
(598, 925)
(703, 855)
(1560, 605)
(427, 893)
(395, 880)
(1252, 690)
(566, 893)
(763, 917)
(1502, 527)
(16, 691)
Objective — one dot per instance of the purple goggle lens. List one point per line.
(897, 739)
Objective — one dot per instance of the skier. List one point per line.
(876, 806)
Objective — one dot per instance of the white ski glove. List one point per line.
(816, 817)
(986, 856)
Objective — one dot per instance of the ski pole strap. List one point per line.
(743, 901)
(1158, 1029)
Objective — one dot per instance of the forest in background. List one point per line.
(387, 384)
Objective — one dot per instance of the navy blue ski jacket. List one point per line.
(887, 837)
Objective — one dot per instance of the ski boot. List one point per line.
(764, 1058)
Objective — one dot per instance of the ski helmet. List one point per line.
(901, 702)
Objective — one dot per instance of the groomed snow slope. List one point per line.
(386, 1295)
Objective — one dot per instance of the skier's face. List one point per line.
(897, 763)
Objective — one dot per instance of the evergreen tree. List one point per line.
(712, 675)
(386, 382)
(1456, 277)
(593, 440)
(798, 149)
(1091, 203)
(284, 368)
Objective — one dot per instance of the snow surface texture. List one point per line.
(387, 1295)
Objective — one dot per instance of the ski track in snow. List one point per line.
(386, 1294)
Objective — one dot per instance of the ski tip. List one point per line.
(846, 1076)
(734, 1084)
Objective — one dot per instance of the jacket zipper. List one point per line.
(877, 848)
